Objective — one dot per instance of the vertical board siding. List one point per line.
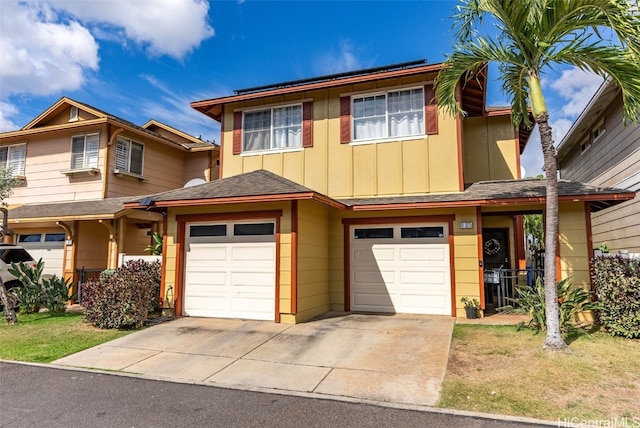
(313, 260)
(573, 248)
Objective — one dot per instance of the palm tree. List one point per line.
(533, 35)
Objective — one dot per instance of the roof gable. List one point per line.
(59, 113)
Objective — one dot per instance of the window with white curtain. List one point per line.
(273, 129)
(14, 158)
(84, 151)
(129, 155)
(388, 114)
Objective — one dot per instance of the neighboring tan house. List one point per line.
(354, 192)
(75, 165)
(600, 150)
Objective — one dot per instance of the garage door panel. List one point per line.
(258, 253)
(230, 277)
(207, 252)
(403, 275)
(374, 277)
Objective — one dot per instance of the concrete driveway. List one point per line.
(396, 358)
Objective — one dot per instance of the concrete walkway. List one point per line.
(396, 358)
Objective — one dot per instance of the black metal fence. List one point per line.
(505, 281)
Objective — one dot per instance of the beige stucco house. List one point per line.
(600, 150)
(75, 165)
(355, 192)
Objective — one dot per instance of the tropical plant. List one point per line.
(531, 37)
(56, 292)
(156, 248)
(530, 301)
(29, 295)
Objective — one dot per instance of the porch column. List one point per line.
(112, 253)
(69, 253)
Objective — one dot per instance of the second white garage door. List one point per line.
(230, 270)
(400, 268)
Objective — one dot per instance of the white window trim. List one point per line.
(386, 92)
(84, 168)
(19, 175)
(278, 149)
(128, 171)
(74, 114)
(600, 125)
(587, 144)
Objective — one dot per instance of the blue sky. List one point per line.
(148, 59)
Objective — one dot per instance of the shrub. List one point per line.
(122, 298)
(617, 286)
(530, 301)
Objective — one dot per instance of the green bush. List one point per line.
(124, 297)
(617, 285)
(530, 301)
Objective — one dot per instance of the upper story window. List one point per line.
(389, 114)
(84, 151)
(73, 114)
(129, 155)
(598, 131)
(14, 158)
(272, 129)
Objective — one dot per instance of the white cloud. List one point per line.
(337, 61)
(175, 110)
(577, 87)
(39, 56)
(162, 27)
(6, 111)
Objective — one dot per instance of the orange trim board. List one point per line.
(182, 221)
(348, 222)
(243, 199)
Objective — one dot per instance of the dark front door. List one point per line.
(495, 248)
(495, 253)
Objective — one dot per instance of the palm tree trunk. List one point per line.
(9, 312)
(554, 339)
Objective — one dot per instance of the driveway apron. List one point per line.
(385, 358)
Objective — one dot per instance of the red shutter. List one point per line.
(307, 124)
(430, 110)
(237, 132)
(345, 120)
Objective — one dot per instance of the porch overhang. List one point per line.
(498, 193)
(252, 187)
(98, 209)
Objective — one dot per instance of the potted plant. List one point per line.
(471, 307)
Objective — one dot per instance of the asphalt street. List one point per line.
(33, 396)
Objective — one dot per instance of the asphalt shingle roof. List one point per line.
(256, 183)
(97, 207)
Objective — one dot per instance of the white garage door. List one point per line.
(230, 270)
(46, 246)
(400, 268)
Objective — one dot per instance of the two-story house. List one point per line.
(355, 192)
(75, 165)
(599, 149)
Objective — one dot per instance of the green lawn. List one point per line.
(43, 338)
(495, 369)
